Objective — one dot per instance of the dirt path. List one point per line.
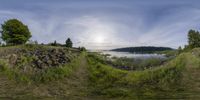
(77, 82)
(191, 78)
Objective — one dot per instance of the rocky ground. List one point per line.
(37, 58)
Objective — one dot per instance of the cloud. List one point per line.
(118, 24)
(172, 30)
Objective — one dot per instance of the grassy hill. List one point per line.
(84, 76)
(177, 79)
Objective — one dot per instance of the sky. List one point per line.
(106, 24)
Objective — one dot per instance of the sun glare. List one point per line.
(99, 39)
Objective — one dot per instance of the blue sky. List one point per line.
(105, 24)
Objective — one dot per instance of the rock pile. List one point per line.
(50, 58)
(40, 58)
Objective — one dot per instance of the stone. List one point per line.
(42, 58)
(13, 59)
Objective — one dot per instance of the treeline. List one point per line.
(68, 43)
(14, 32)
(193, 41)
(142, 49)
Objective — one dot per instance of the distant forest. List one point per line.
(142, 49)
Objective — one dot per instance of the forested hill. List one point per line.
(142, 49)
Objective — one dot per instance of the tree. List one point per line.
(69, 43)
(179, 49)
(54, 43)
(35, 42)
(15, 32)
(193, 39)
(32, 42)
(82, 48)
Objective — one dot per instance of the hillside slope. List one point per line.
(177, 79)
(86, 78)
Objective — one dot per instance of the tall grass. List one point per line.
(46, 75)
(106, 80)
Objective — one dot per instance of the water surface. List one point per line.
(132, 55)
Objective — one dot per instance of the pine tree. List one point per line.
(69, 43)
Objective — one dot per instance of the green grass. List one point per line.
(66, 82)
(168, 53)
(94, 79)
(150, 83)
(138, 64)
(57, 73)
(47, 75)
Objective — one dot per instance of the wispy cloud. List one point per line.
(118, 23)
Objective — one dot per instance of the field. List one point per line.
(87, 76)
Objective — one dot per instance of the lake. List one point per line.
(132, 55)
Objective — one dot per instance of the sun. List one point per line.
(99, 39)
